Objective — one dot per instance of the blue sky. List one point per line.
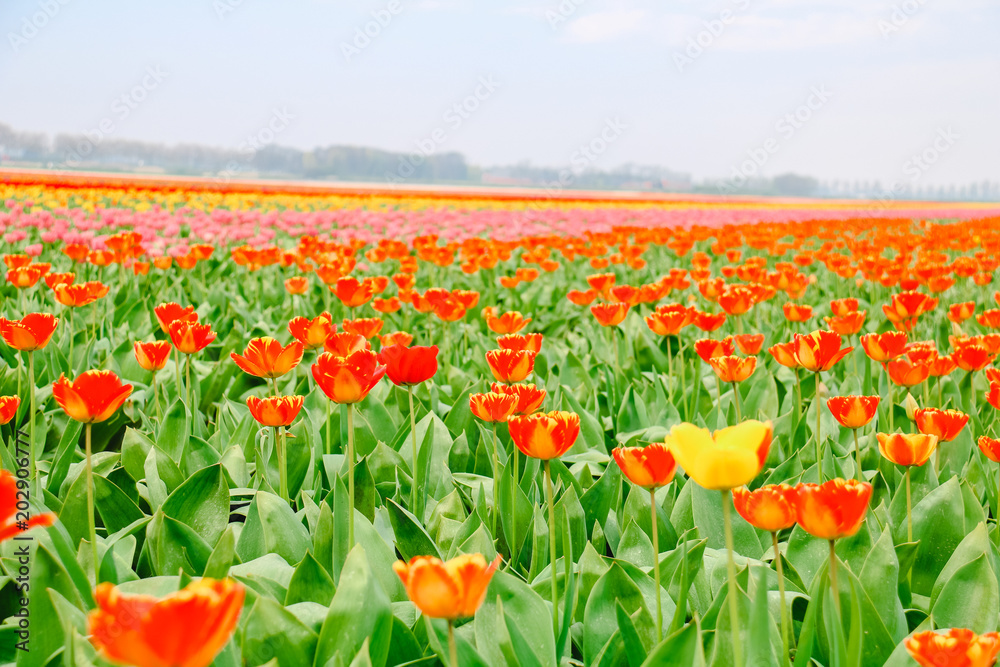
(698, 86)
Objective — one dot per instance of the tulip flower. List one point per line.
(842, 307)
(796, 312)
(368, 327)
(957, 647)
(722, 461)
(189, 337)
(884, 347)
(12, 520)
(92, 398)
(853, 412)
(610, 314)
(8, 408)
(153, 357)
(395, 338)
(547, 436)
(529, 397)
(770, 508)
(735, 301)
(345, 343)
(818, 352)
(989, 319)
(347, 380)
(266, 358)
(449, 590)
(277, 412)
(734, 370)
(187, 628)
(312, 333)
(960, 312)
(297, 285)
(531, 342)
(993, 395)
(708, 349)
(749, 344)
(167, 313)
(508, 323)
(847, 325)
(510, 365)
(709, 322)
(972, 357)
(581, 298)
(407, 367)
(650, 468)
(830, 511)
(353, 292)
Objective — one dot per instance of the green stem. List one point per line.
(833, 579)
(72, 338)
(680, 354)
(187, 382)
(891, 406)
(91, 525)
(798, 393)
(177, 369)
(156, 398)
(452, 646)
(857, 454)
(279, 446)
(819, 435)
(909, 509)
(670, 371)
(656, 565)
(415, 491)
(496, 478)
(552, 545)
(734, 605)
(739, 408)
(31, 418)
(350, 475)
(329, 436)
(786, 638)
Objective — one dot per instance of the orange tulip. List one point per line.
(25, 276)
(784, 354)
(749, 344)
(492, 407)
(190, 337)
(387, 306)
(669, 321)
(649, 467)
(345, 343)
(945, 424)
(884, 347)
(972, 358)
(32, 332)
(732, 368)
(80, 294)
(993, 395)
(275, 410)
(906, 373)
(709, 322)
(353, 292)
(53, 280)
(819, 351)
(8, 408)
(450, 590)
(908, 305)
(312, 333)
(467, 298)
(609, 314)
(369, 327)
(853, 411)
(709, 349)
(544, 435)
(989, 447)
(531, 342)
(297, 285)
(906, 449)
(184, 629)
(842, 307)
(770, 508)
(736, 300)
(510, 365)
(347, 379)
(16, 261)
(990, 319)
(797, 313)
(834, 509)
(627, 294)
(93, 397)
(11, 523)
(582, 298)
(847, 325)
(960, 312)
(409, 366)
(395, 338)
(167, 313)
(942, 366)
(152, 356)
(508, 323)
(529, 398)
(265, 357)
(957, 647)
(601, 282)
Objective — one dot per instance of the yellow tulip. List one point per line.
(729, 458)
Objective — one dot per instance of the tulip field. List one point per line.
(284, 425)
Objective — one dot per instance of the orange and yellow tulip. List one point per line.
(94, 396)
(275, 410)
(833, 509)
(732, 368)
(312, 333)
(32, 332)
(956, 647)
(610, 314)
(770, 507)
(945, 424)
(510, 365)
(819, 350)
(884, 347)
(545, 435)
(449, 590)
(347, 379)
(529, 397)
(266, 358)
(649, 467)
(907, 449)
(152, 356)
(853, 412)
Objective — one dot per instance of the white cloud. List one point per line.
(605, 26)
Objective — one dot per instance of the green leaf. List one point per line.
(969, 599)
(272, 527)
(271, 632)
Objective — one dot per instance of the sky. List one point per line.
(893, 90)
